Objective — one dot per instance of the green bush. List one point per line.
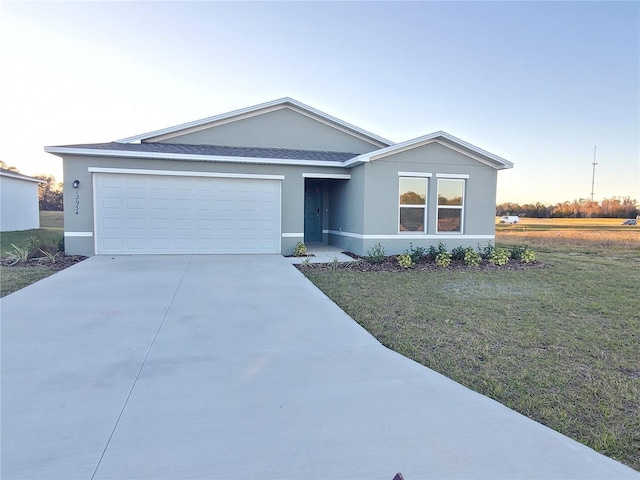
(486, 251)
(516, 251)
(433, 252)
(499, 256)
(471, 258)
(527, 256)
(300, 250)
(443, 259)
(416, 253)
(458, 253)
(405, 260)
(376, 254)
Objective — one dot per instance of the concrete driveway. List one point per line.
(203, 367)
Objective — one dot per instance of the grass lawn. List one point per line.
(15, 278)
(559, 344)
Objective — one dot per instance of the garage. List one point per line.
(186, 214)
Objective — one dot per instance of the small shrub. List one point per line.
(443, 259)
(49, 256)
(306, 262)
(416, 253)
(458, 253)
(471, 258)
(433, 252)
(300, 250)
(335, 263)
(499, 256)
(405, 260)
(516, 251)
(18, 254)
(486, 251)
(527, 256)
(376, 254)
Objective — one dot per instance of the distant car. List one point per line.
(510, 219)
(631, 221)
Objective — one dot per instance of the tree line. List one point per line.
(614, 207)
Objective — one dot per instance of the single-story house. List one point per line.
(19, 207)
(261, 179)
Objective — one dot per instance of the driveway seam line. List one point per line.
(144, 361)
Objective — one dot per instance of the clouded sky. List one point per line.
(537, 83)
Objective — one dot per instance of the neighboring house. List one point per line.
(261, 179)
(19, 209)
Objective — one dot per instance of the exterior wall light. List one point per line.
(76, 183)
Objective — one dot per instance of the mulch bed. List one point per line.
(61, 262)
(390, 264)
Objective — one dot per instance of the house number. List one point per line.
(77, 202)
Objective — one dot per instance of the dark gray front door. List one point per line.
(313, 213)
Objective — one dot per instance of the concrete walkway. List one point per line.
(205, 367)
(322, 253)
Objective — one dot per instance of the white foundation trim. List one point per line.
(292, 235)
(78, 234)
(422, 236)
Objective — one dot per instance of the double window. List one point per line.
(413, 203)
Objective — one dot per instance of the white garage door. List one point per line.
(154, 214)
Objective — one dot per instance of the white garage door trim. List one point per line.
(181, 173)
(249, 229)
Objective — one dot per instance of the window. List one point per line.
(413, 204)
(450, 205)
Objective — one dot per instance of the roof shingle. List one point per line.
(219, 151)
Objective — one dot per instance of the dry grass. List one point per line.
(570, 234)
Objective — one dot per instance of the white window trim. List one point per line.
(462, 178)
(452, 175)
(415, 174)
(426, 203)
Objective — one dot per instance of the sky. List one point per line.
(537, 83)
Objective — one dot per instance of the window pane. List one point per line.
(413, 191)
(412, 219)
(450, 192)
(449, 220)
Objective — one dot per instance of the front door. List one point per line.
(313, 213)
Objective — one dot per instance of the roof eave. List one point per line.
(19, 176)
(60, 151)
(475, 152)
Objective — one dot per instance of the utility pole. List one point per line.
(593, 175)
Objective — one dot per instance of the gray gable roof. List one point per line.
(216, 151)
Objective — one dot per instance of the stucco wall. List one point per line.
(380, 201)
(281, 128)
(19, 208)
(78, 215)
(358, 212)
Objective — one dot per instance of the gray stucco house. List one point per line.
(261, 179)
(19, 207)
